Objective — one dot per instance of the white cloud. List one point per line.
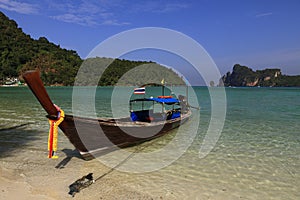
(72, 18)
(92, 12)
(87, 13)
(106, 12)
(114, 22)
(263, 14)
(158, 7)
(19, 7)
(173, 7)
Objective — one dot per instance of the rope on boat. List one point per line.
(53, 132)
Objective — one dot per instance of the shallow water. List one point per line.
(256, 157)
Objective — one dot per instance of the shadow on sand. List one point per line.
(75, 153)
(15, 137)
(69, 155)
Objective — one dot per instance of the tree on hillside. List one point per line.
(19, 51)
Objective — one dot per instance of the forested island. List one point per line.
(58, 66)
(243, 76)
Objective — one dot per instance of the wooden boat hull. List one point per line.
(92, 137)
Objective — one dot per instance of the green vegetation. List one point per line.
(242, 76)
(124, 72)
(19, 53)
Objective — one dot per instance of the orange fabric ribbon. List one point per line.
(53, 133)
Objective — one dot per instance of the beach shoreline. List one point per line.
(41, 180)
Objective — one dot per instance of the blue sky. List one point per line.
(256, 33)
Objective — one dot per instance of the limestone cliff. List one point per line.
(243, 76)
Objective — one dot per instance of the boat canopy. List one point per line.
(168, 101)
(164, 100)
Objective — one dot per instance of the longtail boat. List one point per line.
(92, 137)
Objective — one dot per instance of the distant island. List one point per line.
(58, 66)
(243, 76)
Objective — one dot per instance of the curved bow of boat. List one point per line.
(34, 82)
(36, 85)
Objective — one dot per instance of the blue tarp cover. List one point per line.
(164, 100)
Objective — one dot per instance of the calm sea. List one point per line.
(257, 155)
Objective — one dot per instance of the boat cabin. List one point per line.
(155, 109)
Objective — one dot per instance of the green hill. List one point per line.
(58, 66)
(126, 72)
(19, 52)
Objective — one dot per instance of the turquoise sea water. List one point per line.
(256, 157)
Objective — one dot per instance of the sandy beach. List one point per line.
(42, 179)
(33, 176)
